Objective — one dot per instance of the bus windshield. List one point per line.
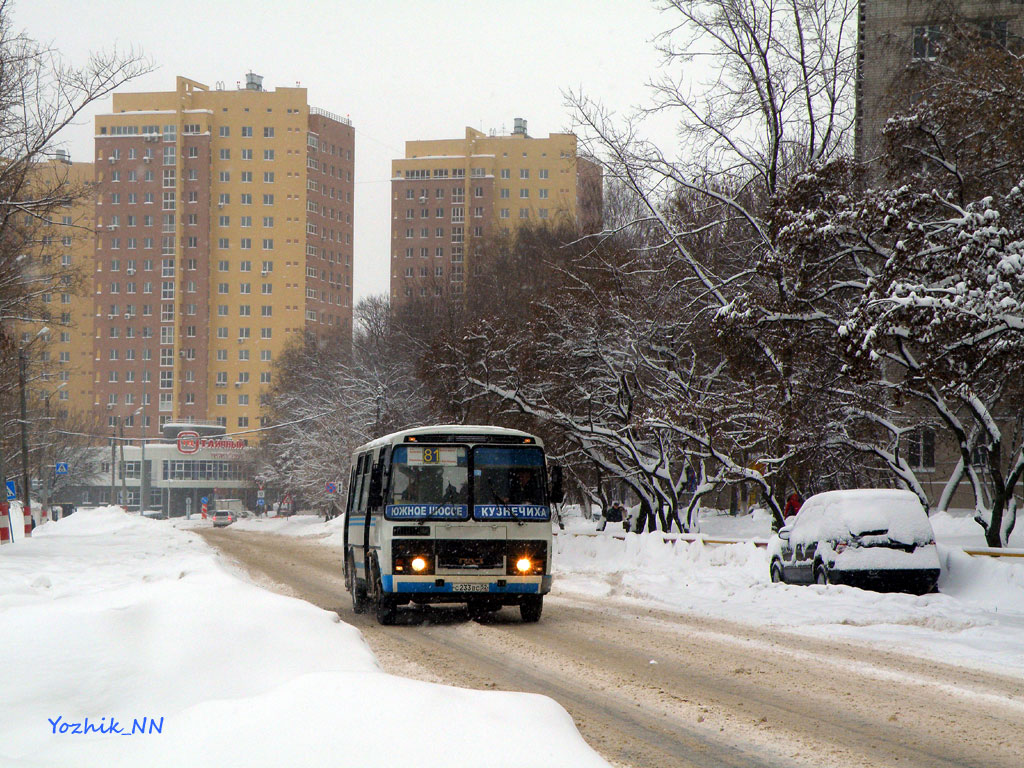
(430, 475)
(511, 475)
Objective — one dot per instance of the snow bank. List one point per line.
(976, 619)
(114, 617)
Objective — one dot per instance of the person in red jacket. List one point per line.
(793, 504)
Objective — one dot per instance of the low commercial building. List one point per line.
(190, 462)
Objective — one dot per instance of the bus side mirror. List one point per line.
(557, 494)
(376, 496)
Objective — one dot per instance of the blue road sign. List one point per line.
(204, 500)
(332, 487)
(260, 502)
(61, 468)
(12, 494)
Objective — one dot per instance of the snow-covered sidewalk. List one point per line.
(115, 618)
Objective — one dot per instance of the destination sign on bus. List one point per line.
(510, 512)
(434, 457)
(428, 511)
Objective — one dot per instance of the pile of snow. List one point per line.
(115, 618)
(975, 620)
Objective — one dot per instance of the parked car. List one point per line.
(875, 538)
(223, 517)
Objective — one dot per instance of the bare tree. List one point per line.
(40, 95)
(333, 397)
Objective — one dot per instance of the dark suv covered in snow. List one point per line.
(875, 538)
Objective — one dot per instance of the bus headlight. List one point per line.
(418, 564)
(523, 565)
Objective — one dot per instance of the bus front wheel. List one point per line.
(359, 600)
(531, 607)
(385, 603)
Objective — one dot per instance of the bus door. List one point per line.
(374, 494)
(356, 529)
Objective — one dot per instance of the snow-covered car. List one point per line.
(222, 517)
(876, 538)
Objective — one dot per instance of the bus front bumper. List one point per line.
(461, 589)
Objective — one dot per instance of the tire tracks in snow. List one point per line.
(652, 688)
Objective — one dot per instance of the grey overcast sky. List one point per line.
(400, 69)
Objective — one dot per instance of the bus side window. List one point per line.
(351, 490)
(364, 488)
(379, 470)
(357, 495)
(385, 477)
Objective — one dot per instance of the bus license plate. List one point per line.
(470, 587)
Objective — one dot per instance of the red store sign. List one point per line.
(191, 442)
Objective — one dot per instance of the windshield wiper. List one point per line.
(511, 511)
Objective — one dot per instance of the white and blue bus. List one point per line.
(450, 514)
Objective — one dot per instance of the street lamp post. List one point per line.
(26, 506)
(144, 481)
(124, 473)
(142, 460)
(48, 467)
(22, 365)
(113, 463)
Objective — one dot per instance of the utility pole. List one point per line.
(46, 469)
(124, 473)
(26, 503)
(113, 462)
(144, 479)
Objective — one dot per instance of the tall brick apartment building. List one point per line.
(897, 34)
(450, 195)
(224, 227)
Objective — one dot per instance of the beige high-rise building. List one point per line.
(64, 355)
(224, 230)
(449, 195)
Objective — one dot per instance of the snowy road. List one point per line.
(654, 688)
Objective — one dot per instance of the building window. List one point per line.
(927, 40)
(921, 448)
(505, 173)
(994, 31)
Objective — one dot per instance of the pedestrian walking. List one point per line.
(614, 514)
